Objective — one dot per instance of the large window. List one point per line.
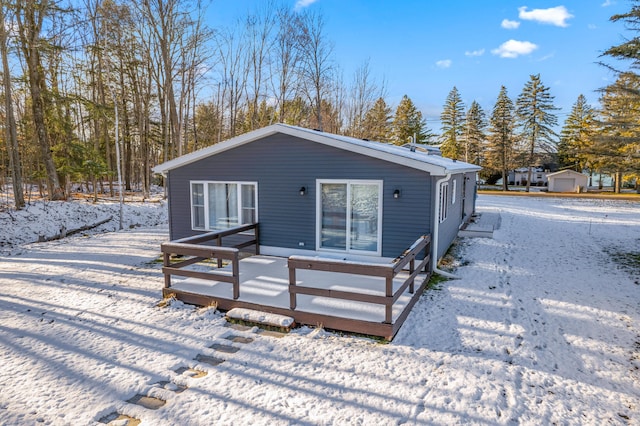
(221, 205)
(349, 216)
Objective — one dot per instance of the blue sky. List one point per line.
(423, 48)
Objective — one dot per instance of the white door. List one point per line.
(564, 185)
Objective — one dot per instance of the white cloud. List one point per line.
(514, 48)
(592, 26)
(608, 3)
(443, 63)
(478, 52)
(509, 25)
(554, 15)
(301, 4)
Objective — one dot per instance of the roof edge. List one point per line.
(329, 139)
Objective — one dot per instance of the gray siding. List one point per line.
(448, 229)
(281, 164)
(470, 188)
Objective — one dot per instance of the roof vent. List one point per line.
(317, 130)
(454, 160)
(365, 139)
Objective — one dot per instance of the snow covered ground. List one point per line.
(46, 220)
(542, 327)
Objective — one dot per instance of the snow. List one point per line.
(43, 220)
(542, 328)
(260, 317)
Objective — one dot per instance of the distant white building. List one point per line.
(519, 176)
(567, 181)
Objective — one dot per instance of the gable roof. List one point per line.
(566, 172)
(433, 164)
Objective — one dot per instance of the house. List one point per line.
(519, 176)
(316, 193)
(342, 227)
(567, 181)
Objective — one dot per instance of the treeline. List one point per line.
(100, 91)
(95, 86)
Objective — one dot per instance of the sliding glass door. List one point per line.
(349, 216)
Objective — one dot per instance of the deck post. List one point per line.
(292, 283)
(167, 262)
(236, 276)
(219, 244)
(412, 268)
(388, 309)
(256, 235)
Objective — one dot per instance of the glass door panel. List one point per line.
(248, 192)
(223, 205)
(365, 200)
(197, 201)
(333, 216)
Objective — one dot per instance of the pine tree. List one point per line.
(617, 146)
(576, 136)
(377, 122)
(533, 109)
(408, 122)
(474, 136)
(452, 119)
(502, 139)
(630, 49)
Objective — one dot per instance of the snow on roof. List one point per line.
(566, 172)
(433, 164)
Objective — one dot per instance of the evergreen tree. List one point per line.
(408, 122)
(474, 136)
(630, 49)
(377, 122)
(576, 136)
(502, 139)
(533, 109)
(617, 146)
(452, 119)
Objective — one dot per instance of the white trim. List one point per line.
(443, 201)
(286, 252)
(454, 188)
(433, 164)
(205, 183)
(348, 183)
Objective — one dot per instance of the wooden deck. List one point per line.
(368, 298)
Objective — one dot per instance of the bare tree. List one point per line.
(285, 57)
(232, 56)
(10, 126)
(30, 17)
(317, 64)
(363, 95)
(260, 27)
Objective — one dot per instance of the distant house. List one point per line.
(316, 193)
(519, 176)
(567, 181)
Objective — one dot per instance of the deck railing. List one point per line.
(199, 252)
(388, 272)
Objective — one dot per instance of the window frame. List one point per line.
(239, 202)
(454, 188)
(349, 183)
(444, 204)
